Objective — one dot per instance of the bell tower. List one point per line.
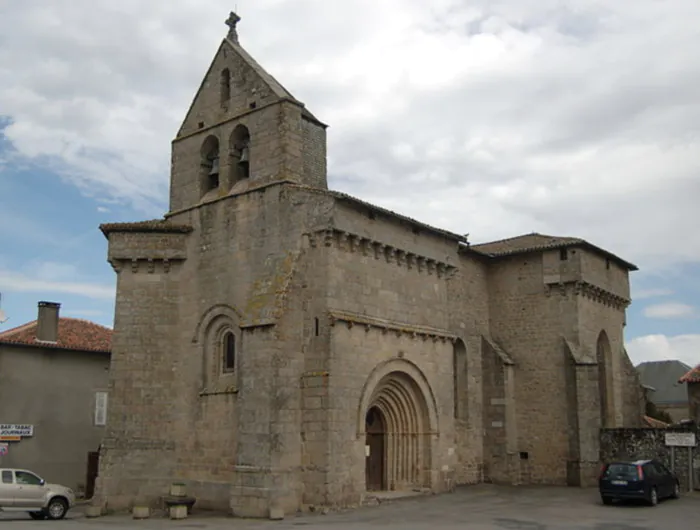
(243, 130)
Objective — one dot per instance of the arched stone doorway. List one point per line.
(398, 422)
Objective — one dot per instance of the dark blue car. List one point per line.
(647, 480)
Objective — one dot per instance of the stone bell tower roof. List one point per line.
(231, 45)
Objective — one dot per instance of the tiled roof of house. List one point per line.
(654, 423)
(535, 242)
(73, 334)
(691, 376)
(663, 377)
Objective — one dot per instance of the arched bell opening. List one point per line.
(239, 161)
(209, 166)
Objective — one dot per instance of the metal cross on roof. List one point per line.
(231, 22)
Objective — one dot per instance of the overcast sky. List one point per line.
(492, 118)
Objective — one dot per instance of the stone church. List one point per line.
(278, 345)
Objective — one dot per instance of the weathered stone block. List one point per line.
(141, 512)
(178, 512)
(92, 511)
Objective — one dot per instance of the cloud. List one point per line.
(685, 348)
(641, 294)
(575, 118)
(19, 283)
(84, 313)
(669, 310)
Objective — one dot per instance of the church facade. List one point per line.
(278, 345)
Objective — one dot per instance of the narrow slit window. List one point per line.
(225, 87)
(229, 352)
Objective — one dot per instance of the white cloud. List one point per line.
(84, 313)
(685, 348)
(19, 283)
(572, 117)
(641, 294)
(669, 310)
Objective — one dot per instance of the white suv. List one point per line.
(24, 491)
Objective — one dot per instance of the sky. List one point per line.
(493, 118)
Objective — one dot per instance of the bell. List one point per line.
(244, 155)
(214, 167)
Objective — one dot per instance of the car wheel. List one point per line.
(37, 516)
(607, 500)
(57, 508)
(653, 497)
(676, 491)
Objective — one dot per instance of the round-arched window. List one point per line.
(228, 352)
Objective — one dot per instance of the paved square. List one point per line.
(482, 507)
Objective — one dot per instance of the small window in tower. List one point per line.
(563, 254)
(225, 87)
(229, 352)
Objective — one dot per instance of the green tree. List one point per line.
(653, 412)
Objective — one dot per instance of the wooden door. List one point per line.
(375, 451)
(93, 465)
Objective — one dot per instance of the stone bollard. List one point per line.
(141, 512)
(178, 511)
(93, 511)
(276, 514)
(177, 489)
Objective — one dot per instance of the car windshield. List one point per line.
(621, 471)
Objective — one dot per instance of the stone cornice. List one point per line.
(386, 326)
(589, 291)
(155, 226)
(354, 243)
(145, 265)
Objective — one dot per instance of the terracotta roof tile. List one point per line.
(654, 423)
(73, 334)
(692, 376)
(535, 242)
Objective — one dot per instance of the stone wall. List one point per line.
(638, 444)
(528, 326)
(694, 401)
(549, 312)
(314, 154)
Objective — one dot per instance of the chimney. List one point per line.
(47, 322)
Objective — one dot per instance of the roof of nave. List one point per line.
(535, 242)
(73, 334)
(663, 377)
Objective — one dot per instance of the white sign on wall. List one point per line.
(680, 439)
(101, 408)
(13, 429)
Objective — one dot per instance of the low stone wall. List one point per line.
(638, 444)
